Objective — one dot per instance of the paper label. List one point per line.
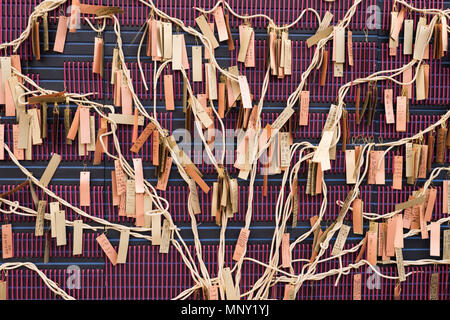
(50, 170)
(60, 223)
(435, 239)
(400, 265)
(340, 240)
(285, 251)
(162, 182)
(77, 237)
(401, 114)
(372, 247)
(107, 248)
(220, 22)
(304, 108)
(7, 241)
(123, 246)
(206, 30)
(197, 75)
(40, 218)
(398, 171)
(241, 244)
(357, 286)
(357, 207)
(165, 238)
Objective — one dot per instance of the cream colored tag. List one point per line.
(420, 84)
(212, 81)
(340, 240)
(421, 41)
(77, 237)
(29, 149)
(350, 166)
(284, 150)
(130, 207)
(60, 222)
(127, 119)
(194, 197)
(115, 65)
(444, 34)
(230, 289)
(167, 40)
(206, 30)
(156, 229)
(5, 63)
(392, 42)
(165, 238)
(325, 21)
(446, 245)
(201, 113)
(245, 35)
(281, 120)
(408, 37)
(54, 208)
(245, 92)
(409, 160)
(177, 60)
(338, 69)
(340, 44)
(215, 195)
(234, 195)
(81, 147)
(24, 127)
(91, 145)
(147, 207)
(123, 246)
(197, 75)
(235, 84)
(287, 57)
(50, 170)
(40, 217)
(400, 265)
(321, 155)
(35, 126)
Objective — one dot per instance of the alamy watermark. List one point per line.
(74, 277)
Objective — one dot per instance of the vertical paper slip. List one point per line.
(40, 218)
(7, 241)
(168, 92)
(123, 246)
(241, 244)
(138, 175)
(77, 237)
(85, 192)
(245, 92)
(60, 223)
(435, 239)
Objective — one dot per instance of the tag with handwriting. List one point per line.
(7, 241)
(400, 265)
(107, 248)
(241, 244)
(340, 240)
(285, 251)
